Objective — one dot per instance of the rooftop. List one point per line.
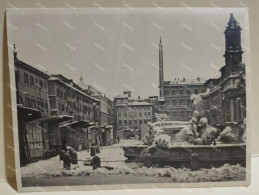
(121, 96)
(183, 81)
(31, 68)
(72, 87)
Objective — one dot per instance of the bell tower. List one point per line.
(233, 51)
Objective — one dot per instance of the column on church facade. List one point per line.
(232, 110)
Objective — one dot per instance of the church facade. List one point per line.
(226, 103)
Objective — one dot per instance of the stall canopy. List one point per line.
(109, 127)
(28, 114)
(57, 119)
(79, 124)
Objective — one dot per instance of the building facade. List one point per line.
(226, 103)
(68, 100)
(32, 100)
(177, 93)
(106, 124)
(233, 75)
(106, 112)
(131, 113)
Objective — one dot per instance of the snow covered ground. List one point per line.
(54, 168)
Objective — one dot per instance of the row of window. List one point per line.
(121, 101)
(34, 81)
(80, 118)
(134, 114)
(84, 109)
(179, 102)
(181, 114)
(61, 94)
(35, 103)
(136, 108)
(173, 92)
(132, 122)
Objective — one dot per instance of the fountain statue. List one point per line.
(198, 104)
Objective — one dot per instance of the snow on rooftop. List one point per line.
(122, 96)
(70, 86)
(136, 103)
(186, 81)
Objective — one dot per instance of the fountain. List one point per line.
(200, 147)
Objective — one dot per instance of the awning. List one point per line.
(103, 126)
(109, 127)
(28, 114)
(67, 124)
(79, 124)
(94, 126)
(57, 119)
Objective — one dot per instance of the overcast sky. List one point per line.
(117, 49)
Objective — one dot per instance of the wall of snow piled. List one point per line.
(224, 173)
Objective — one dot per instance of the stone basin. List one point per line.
(185, 155)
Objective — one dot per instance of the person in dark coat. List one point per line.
(118, 138)
(67, 160)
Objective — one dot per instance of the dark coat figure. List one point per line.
(118, 139)
(96, 162)
(67, 160)
(73, 155)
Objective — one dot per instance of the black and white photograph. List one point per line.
(108, 97)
